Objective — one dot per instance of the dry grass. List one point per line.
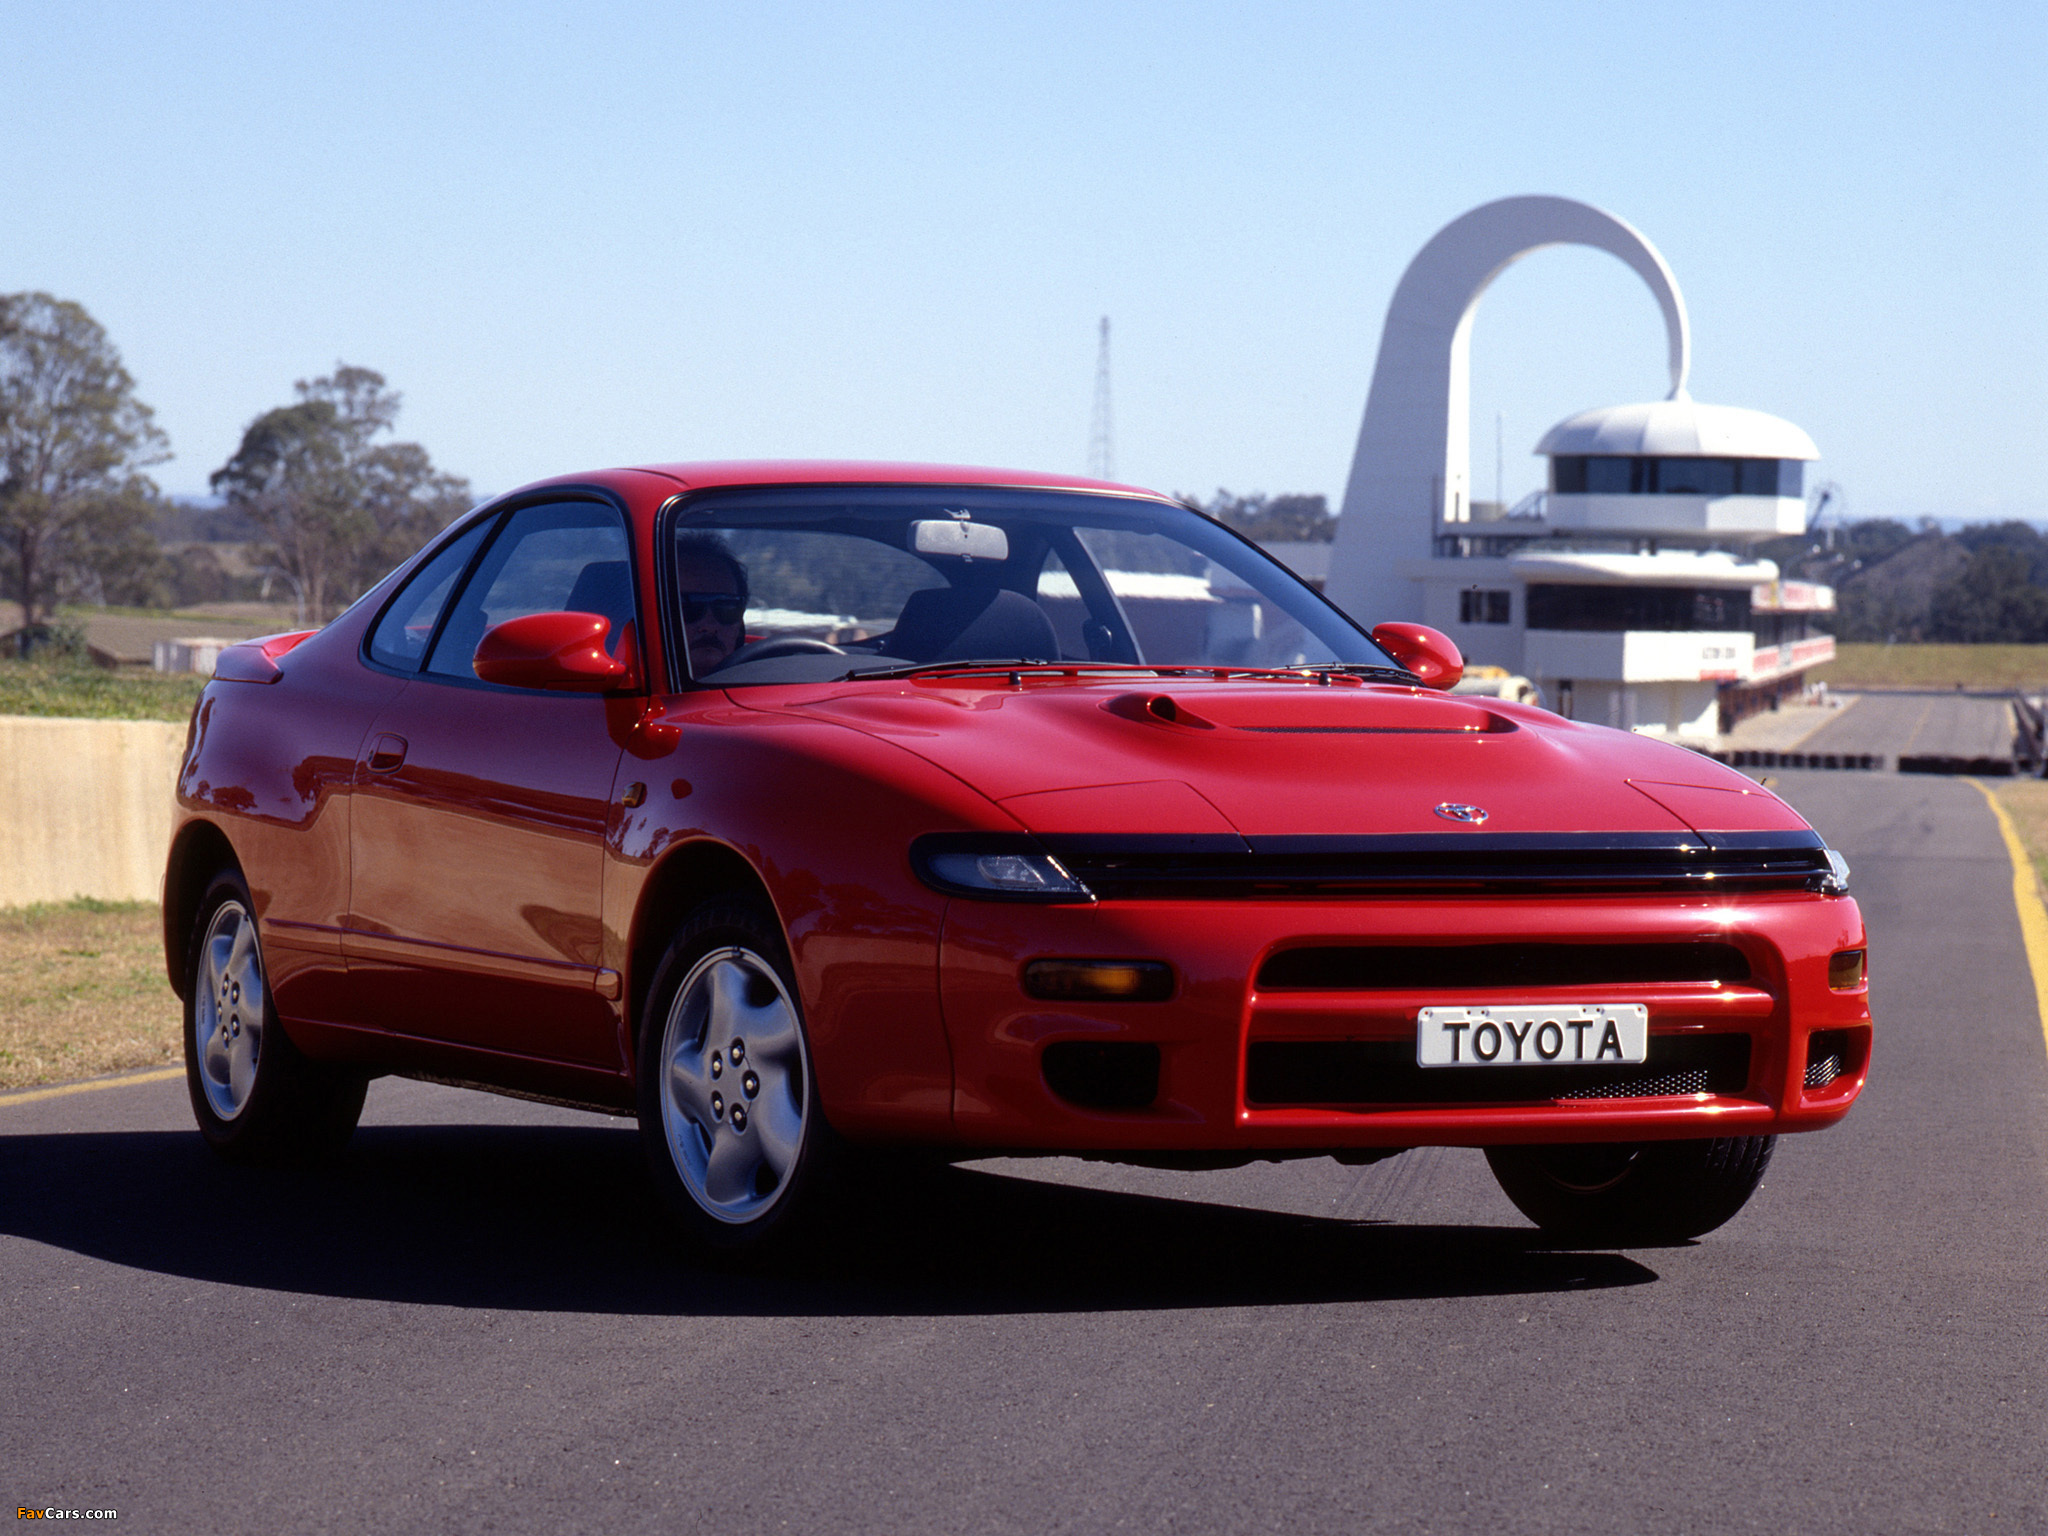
(1935, 666)
(82, 992)
(2026, 801)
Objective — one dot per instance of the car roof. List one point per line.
(705, 474)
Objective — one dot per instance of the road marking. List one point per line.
(154, 1075)
(2026, 895)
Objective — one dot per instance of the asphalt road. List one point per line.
(1894, 725)
(474, 1324)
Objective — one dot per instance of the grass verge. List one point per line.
(90, 693)
(2026, 802)
(1935, 666)
(82, 992)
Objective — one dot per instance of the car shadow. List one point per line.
(564, 1219)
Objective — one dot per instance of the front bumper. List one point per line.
(1329, 1066)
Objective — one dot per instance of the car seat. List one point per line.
(971, 624)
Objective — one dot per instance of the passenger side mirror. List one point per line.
(563, 651)
(1428, 653)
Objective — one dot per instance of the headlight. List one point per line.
(996, 866)
(1836, 881)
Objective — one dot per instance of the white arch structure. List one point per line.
(1412, 467)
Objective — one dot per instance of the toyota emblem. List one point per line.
(1471, 815)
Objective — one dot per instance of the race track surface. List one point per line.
(475, 1323)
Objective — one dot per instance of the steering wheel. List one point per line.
(781, 645)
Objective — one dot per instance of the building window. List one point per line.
(1481, 607)
(1577, 474)
(1640, 608)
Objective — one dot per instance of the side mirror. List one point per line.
(1426, 652)
(554, 650)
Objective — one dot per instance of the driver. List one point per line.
(712, 591)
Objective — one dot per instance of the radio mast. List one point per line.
(1101, 436)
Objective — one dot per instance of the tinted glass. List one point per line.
(554, 558)
(1556, 606)
(401, 636)
(844, 580)
(1614, 475)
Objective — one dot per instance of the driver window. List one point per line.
(558, 557)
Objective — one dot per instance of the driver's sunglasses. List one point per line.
(722, 606)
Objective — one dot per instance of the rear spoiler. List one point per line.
(255, 661)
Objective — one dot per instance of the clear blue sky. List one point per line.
(597, 234)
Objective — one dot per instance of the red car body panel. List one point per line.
(472, 883)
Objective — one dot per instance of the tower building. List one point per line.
(1627, 588)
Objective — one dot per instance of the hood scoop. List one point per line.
(1313, 711)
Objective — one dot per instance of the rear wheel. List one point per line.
(255, 1096)
(728, 1103)
(1627, 1193)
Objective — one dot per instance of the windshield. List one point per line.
(807, 584)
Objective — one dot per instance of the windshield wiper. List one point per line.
(1155, 669)
(929, 668)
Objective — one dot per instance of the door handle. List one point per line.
(387, 753)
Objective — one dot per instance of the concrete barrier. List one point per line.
(85, 807)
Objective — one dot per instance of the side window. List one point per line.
(401, 636)
(566, 556)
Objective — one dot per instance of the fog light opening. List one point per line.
(1103, 1074)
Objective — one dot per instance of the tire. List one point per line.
(1626, 1194)
(729, 1116)
(256, 1097)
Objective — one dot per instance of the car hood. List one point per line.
(1274, 758)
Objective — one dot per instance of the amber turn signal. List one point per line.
(1846, 969)
(1102, 981)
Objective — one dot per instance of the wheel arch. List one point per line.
(200, 851)
(686, 877)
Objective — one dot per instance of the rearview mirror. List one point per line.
(966, 540)
(563, 651)
(1429, 653)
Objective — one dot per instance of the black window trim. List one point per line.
(502, 511)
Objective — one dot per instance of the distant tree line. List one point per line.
(317, 495)
(1985, 583)
(1266, 519)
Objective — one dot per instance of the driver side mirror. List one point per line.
(562, 651)
(1428, 653)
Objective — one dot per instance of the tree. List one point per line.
(333, 507)
(74, 441)
(1272, 519)
(1994, 601)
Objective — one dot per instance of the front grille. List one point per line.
(1383, 1072)
(1824, 1071)
(1469, 967)
(1230, 868)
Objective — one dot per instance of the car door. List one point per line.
(477, 842)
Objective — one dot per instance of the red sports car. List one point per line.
(802, 808)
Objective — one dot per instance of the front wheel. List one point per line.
(1623, 1194)
(255, 1096)
(728, 1103)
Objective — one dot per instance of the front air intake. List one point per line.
(1466, 967)
(1828, 1054)
(1365, 1073)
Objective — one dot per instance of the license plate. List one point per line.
(1569, 1035)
